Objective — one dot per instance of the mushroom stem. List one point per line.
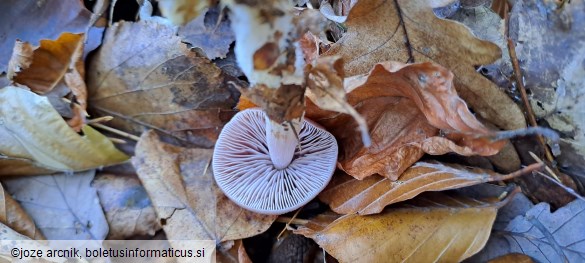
(282, 141)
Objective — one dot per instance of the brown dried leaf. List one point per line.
(185, 196)
(347, 195)
(403, 105)
(512, 258)
(33, 133)
(31, 21)
(211, 32)
(53, 63)
(127, 207)
(435, 228)
(369, 41)
(13, 216)
(147, 79)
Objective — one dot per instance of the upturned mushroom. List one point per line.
(272, 175)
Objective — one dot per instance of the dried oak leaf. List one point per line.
(147, 79)
(185, 196)
(404, 105)
(64, 206)
(127, 207)
(54, 62)
(13, 216)
(211, 32)
(432, 228)
(377, 30)
(33, 133)
(347, 195)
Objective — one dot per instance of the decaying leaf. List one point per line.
(64, 206)
(512, 258)
(185, 196)
(54, 62)
(181, 12)
(211, 32)
(147, 79)
(28, 21)
(18, 240)
(127, 207)
(347, 195)
(369, 41)
(433, 228)
(404, 105)
(13, 216)
(540, 234)
(33, 132)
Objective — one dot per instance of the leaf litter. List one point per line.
(179, 81)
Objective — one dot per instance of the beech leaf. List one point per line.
(211, 32)
(369, 41)
(185, 196)
(64, 206)
(433, 228)
(158, 83)
(346, 195)
(404, 105)
(33, 132)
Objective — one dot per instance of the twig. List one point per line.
(100, 119)
(116, 140)
(550, 171)
(520, 84)
(115, 131)
(288, 223)
(524, 170)
(294, 221)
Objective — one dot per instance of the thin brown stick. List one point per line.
(116, 140)
(550, 171)
(520, 84)
(100, 119)
(288, 223)
(528, 169)
(294, 221)
(115, 131)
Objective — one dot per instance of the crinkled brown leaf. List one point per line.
(54, 62)
(211, 32)
(403, 105)
(435, 228)
(347, 195)
(146, 78)
(31, 21)
(32, 130)
(127, 207)
(13, 216)
(375, 34)
(185, 196)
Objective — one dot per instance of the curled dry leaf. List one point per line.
(32, 132)
(404, 105)
(28, 21)
(347, 195)
(448, 43)
(127, 207)
(181, 12)
(211, 32)
(158, 83)
(64, 206)
(431, 228)
(54, 62)
(185, 196)
(13, 216)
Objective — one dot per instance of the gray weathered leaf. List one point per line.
(64, 206)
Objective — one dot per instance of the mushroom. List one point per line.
(260, 175)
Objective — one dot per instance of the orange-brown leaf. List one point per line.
(346, 195)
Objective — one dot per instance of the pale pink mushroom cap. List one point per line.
(244, 170)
